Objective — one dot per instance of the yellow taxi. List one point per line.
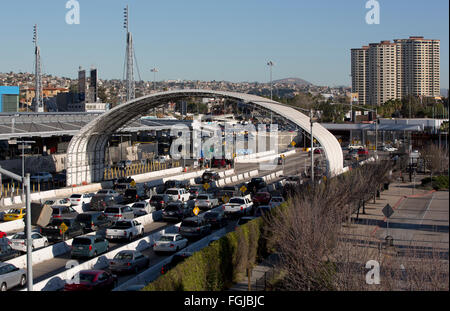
(14, 214)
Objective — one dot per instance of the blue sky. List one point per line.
(228, 40)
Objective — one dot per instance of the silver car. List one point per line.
(11, 276)
(119, 212)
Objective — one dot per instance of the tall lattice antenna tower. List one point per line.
(39, 100)
(129, 56)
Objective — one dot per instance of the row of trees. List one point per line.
(316, 253)
(413, 107)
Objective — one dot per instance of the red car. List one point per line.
(95, 280)
(318, 151)
(363, 152)
(262, 198)
(219, 163)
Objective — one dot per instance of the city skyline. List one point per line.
(232, 43)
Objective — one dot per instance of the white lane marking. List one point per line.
(429, 204)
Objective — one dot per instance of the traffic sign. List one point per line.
(293, 144)
(133, 183)
(196, 210)
(63, 227)
(388, 211)
(206, 186)
(225, 199)
(243, 189)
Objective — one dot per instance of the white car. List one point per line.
(18, 241)
(389, 149)
(142, 208)
(206, 201)
(125, 229)
(355, 147)
(59, 202)
(170, 242)
(178, 194)
(276, 201)
(239, 205)
(80, 199)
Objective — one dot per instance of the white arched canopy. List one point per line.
(86, 151)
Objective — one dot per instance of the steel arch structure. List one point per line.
(86, 151)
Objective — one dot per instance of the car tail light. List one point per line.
(112, 263)
(223, 207)
(207, 201)
(78, 200)
(179, 197)
(162, 270)
(60, 231)
(128, 264)
(162, 202)
(242, 208)
(57, 216)
(90, 247)
(92, 224)
(118, 216)
(171, 245)
(198, 229)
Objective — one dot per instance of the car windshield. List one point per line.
(19, 236)
(189, 223)
(210, 215)
(166, 238)
(112, 210)
(84, 217)
(81, 241)
(14, 211)
(130, 192)
(86, 277)
(76, 196)
(172, 208)
(138, 205)
(102, 192)
(58, 222)
(55, 211)
(121, 225)
(157, 198)
(237, 201)
(202, 197)
(123, 255)
(172, 192)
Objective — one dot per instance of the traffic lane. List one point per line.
(57, 265)
(158, 258)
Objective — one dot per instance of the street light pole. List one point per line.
(270, 64)
(29, 239)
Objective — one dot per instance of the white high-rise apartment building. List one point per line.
(386, 70)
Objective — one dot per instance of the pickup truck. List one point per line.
(125, 229)
(54, 233)
(178, 194)
(238, 206)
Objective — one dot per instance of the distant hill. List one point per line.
(297, 81)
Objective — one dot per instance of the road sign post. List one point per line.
(388, 211)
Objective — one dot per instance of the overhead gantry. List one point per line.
(86, 151)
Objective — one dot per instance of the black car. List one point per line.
(132, 195)
(93, 221)
(159, 201)
(176, 259)
(54, 233)
(176, 184)
(176, 211)
(195, 227)
(6, 252)
(256, 184)
(216, 219)
(209, 176)
(105, 198)
(194, 191)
